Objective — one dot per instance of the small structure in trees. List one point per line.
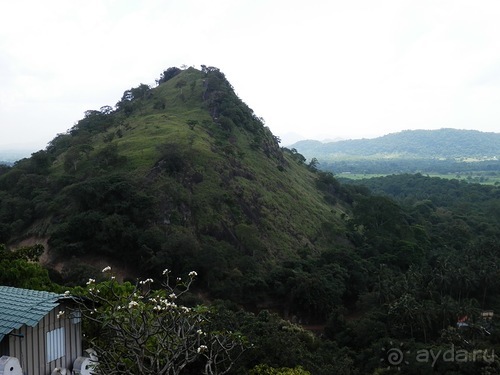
(35, 329)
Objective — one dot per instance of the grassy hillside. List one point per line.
(180, 176)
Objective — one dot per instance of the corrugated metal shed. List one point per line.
(23, 306)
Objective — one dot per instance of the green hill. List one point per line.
(424, 144)
(447, 153)
(181, 176)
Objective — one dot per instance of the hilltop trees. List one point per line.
(168, 74)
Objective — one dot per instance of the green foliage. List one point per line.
(267, 370)
(93, 122)
(444, 151)
(313, 165)
(224, 106)
(192, 123)
(450, 210)
(275, 341)
(376, 167)
(17, 268)
(168, 74)
(299, 158)
(172, 159)
(110, 213)
(75, 273)
(248, 236)
(108, 157)
(278, 345)
(442, 143)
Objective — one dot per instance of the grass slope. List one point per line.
(178, 175)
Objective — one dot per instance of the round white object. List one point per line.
(10, 366)
(83, 366)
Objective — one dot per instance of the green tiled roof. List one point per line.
(23, 306)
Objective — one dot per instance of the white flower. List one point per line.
(91, 281)
(165, 271)
(106, 269)
(193, 274)
(60, 314)
(67, 293)
(169, 304)
(146, 281)
(202, 348)
(172, 296)
(132, 304)
(199, 332)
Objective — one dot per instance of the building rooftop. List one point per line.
(20, 307)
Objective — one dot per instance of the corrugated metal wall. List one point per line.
(31, 350)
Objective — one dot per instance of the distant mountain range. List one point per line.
(408, 144)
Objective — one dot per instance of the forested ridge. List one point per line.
(449, 153)
(313, 272)
(426, 144)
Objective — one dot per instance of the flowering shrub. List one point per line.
(138, 330)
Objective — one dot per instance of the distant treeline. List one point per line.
(390, 166)
(442, 143)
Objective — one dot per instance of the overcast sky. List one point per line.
(321, 69)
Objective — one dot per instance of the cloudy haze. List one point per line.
(320, 69)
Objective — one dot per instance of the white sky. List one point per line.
(319, 68)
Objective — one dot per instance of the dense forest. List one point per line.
(395, 166)
(319, 276)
